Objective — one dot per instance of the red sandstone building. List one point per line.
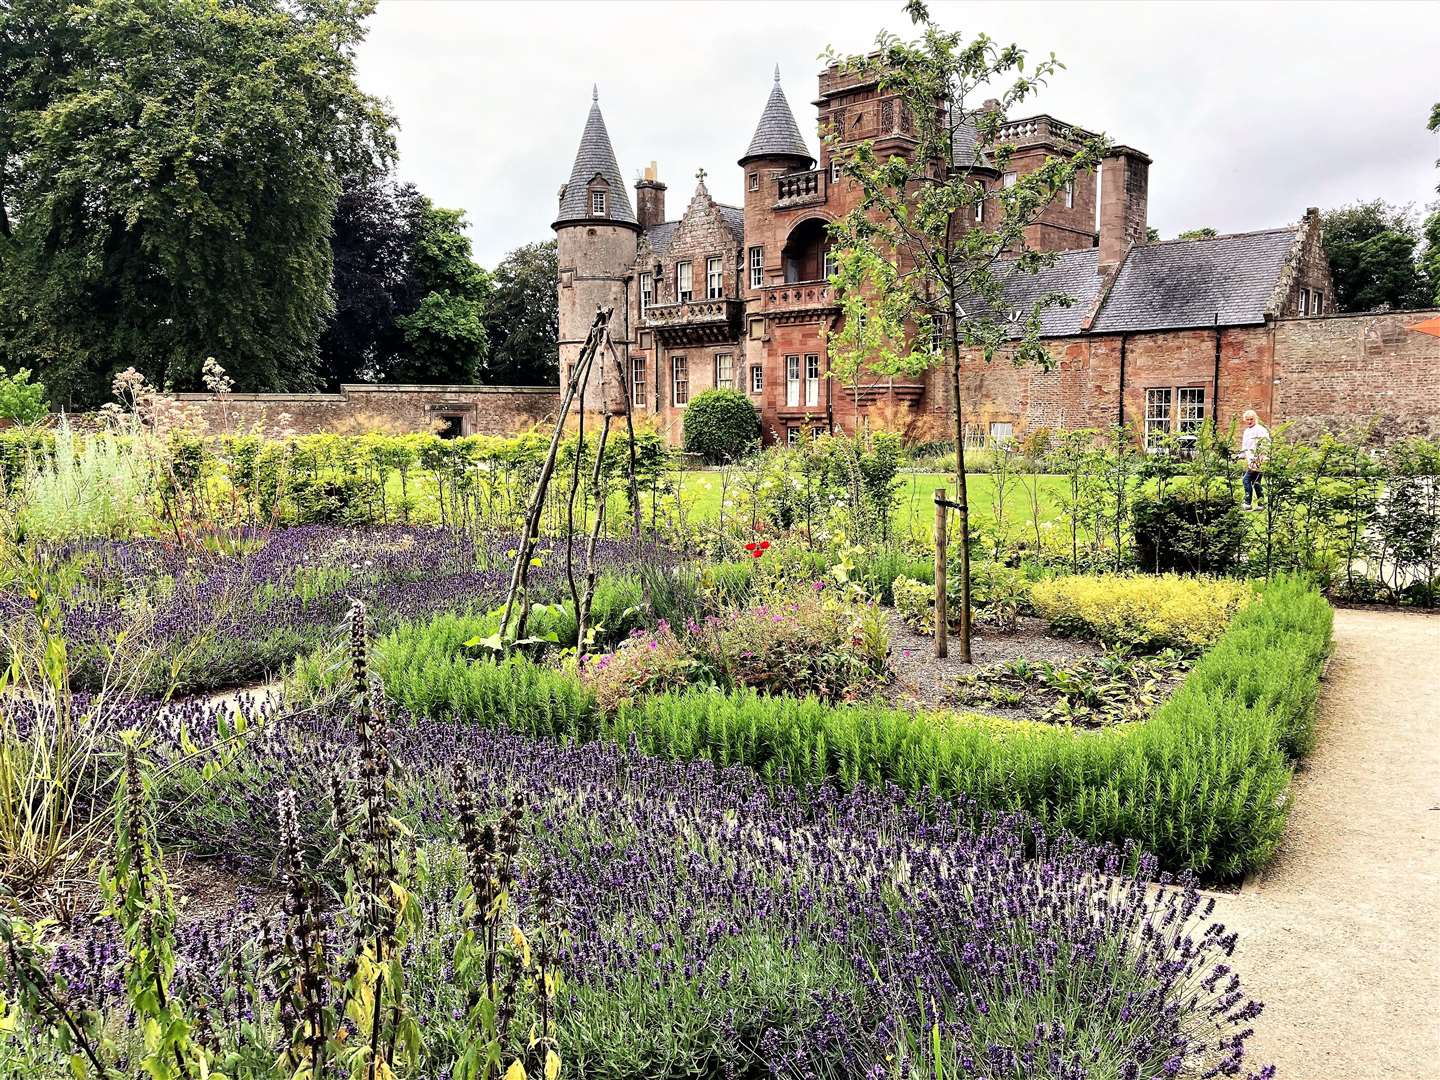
(1162, 336)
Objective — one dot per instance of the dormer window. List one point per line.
(597, 204)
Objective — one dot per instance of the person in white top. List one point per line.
(1252, 449)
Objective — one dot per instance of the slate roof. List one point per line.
(595, 155)
(777, 134)
(735, 218)
(1074, 273)
(1188, 283)
(659, 236)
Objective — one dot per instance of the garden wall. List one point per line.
(358, 407)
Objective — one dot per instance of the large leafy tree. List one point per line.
(1430, 261)
(948, 286)
(1372, 248)
(377, 224)
(523, 322)
(169, 182)
(445, 298)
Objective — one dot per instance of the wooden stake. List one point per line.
(942, 639)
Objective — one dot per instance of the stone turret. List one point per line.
(776, 148)
(596, 235)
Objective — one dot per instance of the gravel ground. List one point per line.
(1340, 935)
(921, 679)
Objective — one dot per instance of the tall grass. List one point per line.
(87, 487)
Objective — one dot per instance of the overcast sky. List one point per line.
(1251, 111)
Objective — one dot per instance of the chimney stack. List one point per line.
(1124, 184)
(649, 198)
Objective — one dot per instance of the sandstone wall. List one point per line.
(463, 410)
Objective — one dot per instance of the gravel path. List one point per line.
(1340, 936)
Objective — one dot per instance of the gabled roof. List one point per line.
(734, 218)
(595, 157)
(659, 236)
(1073, 273)
(1175, 284)
(777, 134)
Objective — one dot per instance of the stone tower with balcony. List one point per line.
(596, 238)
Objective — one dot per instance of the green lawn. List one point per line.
(915, 508)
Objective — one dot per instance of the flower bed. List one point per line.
(1202, 783)
(714, 925)
(1149, 612)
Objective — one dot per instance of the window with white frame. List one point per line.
(980, 208)
(792, 436)
(714, 278)
(812, 379)
(828, 266)
(1304, 301)
(754, 181)
(757, 267)
(1001, 432)
(647, 290)
(637, 381)
(1317, 305)
(684, 281)
(757, 379)
(792, 381)
(1157, 415)
(724, 371)
(597, 204)
(937, 333)
(1069, 194)
(1009, 179)
(1189, 411)
(679, 380)
(974, 437)
(835, 172)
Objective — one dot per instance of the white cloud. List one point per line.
(1251, 111)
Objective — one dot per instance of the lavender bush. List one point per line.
(715, 926)
(237, 609)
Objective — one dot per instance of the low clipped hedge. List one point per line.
(1202, 784)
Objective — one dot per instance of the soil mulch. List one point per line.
(920, 679)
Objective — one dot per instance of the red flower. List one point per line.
(764, 545)
(756, 554)
(751, 547)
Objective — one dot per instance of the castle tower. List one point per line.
(596, 235)
(776, 148)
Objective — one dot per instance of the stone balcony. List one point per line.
(802, 189)
(796, 301)
(694, 321)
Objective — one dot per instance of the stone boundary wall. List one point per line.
(1339, 371)
(362, 407)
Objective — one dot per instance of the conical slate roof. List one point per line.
(595, 155)
(777, 134)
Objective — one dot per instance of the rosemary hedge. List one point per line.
(1202, 784)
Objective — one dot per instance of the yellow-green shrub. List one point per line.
(1143, 611)
(915, 603)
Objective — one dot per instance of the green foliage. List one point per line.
(1142, 611)
(170, 181)
(445, 339)
(1372, 250)
(522, 319)
(1205, 232)
(1202, 784)
(21, 400)
(721, 424)
(86, 487)
(914, 601)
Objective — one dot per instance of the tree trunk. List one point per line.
(962, 498)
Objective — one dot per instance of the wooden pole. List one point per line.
(942, 639)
